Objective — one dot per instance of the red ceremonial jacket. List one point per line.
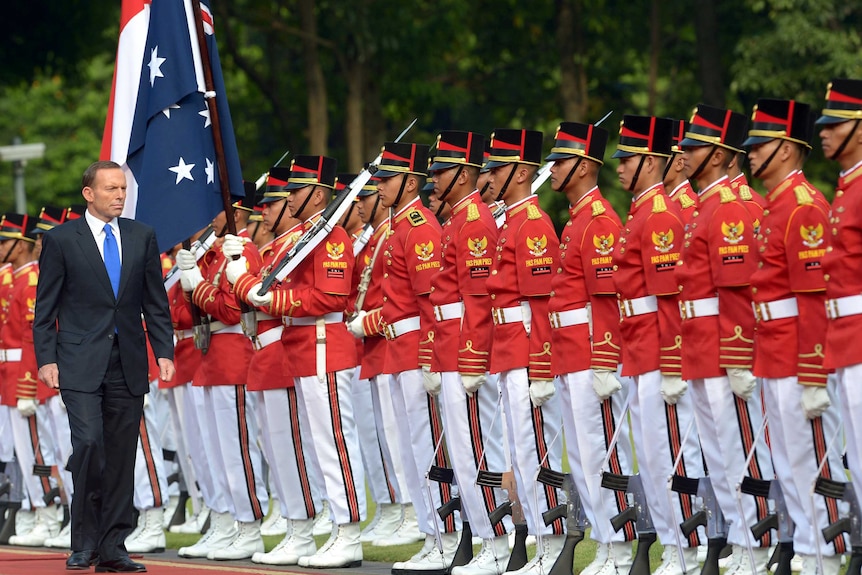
(585, 276)
(187, 358)
(528, 251)
(843, 267)
(686, 200)
(792, 245)
(412, 258)
(5, 301)
(373, 351)
(649, 250)
(752, 200)
(469, 239)
(718, 257)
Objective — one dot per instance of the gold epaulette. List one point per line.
(7, 279)
(745, 193)
(803, 196)
(32, 279)
(472, 213)
(658, 204)
(416, 218)
(533, 212)
(726, 195)
(685, 201)
(598, 208)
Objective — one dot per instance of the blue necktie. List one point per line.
(112, 258)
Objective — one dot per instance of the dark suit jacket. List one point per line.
(76, 312)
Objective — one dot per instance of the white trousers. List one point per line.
(33, 446)
(420, 431)
(7, 444)
(534, 440)
(387, 437)
(729, 427)
(660, 431)
(589, 427)
(286, 444)
(335, 442)
(475, 439)
(369, 441)
(229, 431)
(151, 480)
(798, 446)
(179, 400)
(850, 399)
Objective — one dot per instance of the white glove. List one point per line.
(233, 246)
(259, 300)
(472, 383)
(234, 269)
(190, 279)
(742, 382)
(146, 400)
(186, 260)
(27, 407)
(815, 401)
(672, 388)
(541, 390)
(431, 381)
(354, 326)
(605, 383)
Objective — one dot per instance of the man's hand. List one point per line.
(672, 388)
(431, 381)
(472, 383)
(605, 383)
(234, 269)
(233, 246)
(166, 369)
(49, 374)
(541, 390)
(259, 300)
(742, 382)
(815, 401)
(27, 407)
(354, 326)
(186, 260)
(190, 279)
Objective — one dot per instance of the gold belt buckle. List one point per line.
(554, 318)
(682, 311)
(438, 313)
(832, 309)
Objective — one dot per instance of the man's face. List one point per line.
(107, 196)
(559, 170)
(484, 177)
(759, 153)
(498, 177)
(271, 211)
(626, 171)
(388, 190)
(832, 136)
(442, 179)
(364, 207)
(296, 199)
(693, 156)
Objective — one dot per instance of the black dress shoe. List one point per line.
(81, 560)
(123, 565)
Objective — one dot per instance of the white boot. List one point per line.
(169, 510)
(742, 565)
(322, 521)
(299, 542)
(671, 565)
(491, 559)
(275, 524)
(25, 522)
(429, 559)
(221, 532)
(602, 557)
(63, 540)
(45, 525)
(367, 534)
(831, 565)
(194, 523)
(546, 555)
(345, 550)
(150, 537)
(244, 545)
(406, 533)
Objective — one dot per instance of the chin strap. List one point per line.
(506, 185)
(347, 215)
(9, 252)
(845, 142)
(702, 165)
(280, 215)
(298, 214)
(637, 173)
(400, 192)
(764, 165)
(571, 173)
(448, 189)
(374, 209)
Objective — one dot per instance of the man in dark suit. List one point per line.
(100, 275)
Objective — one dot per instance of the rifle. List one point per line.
(200, 324)
(637, 512)
(259, 183)
(323, 226)
(572, 510)
(852, 524)
(198, 248)
(779, 520)
(710, 516)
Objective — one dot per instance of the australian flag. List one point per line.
(171, 152)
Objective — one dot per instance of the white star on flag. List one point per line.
(210, 172)
(206, 114)
(167, 111)
(155, 65)
(183, 171)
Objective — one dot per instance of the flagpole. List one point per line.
(210, 98)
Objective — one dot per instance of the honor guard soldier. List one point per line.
(675, 181)
(462, 341)
(718, 258)
(527, 252)
(321, 356)
(227, 422)
(412, 258)
(21, 391)
(649, 249)
(789, 292)
(585, 337)
(841, 139)
(7, 447)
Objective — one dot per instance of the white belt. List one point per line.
(10, 355)
(570, 317)
(449, 311)
(693, 308)
(778, 309)
(270, 336)
(218, 328)
(262, 316)
(182, 334)
(334, 317)
(638, 306)
(844, 306)
(400, 327)
(504, 315)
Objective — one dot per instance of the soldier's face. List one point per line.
(832, 135)
(692, 157)
(107, 196)
(442, 180)
(626, 171)
(480, 185)
(559, 170)
(364, 207)
(759, 153)
(388, 190)
(271, 211)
